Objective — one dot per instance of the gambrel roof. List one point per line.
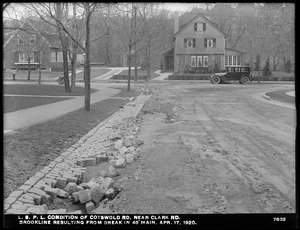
(199, 15)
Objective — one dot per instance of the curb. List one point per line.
(66, 163)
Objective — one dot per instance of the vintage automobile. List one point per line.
(237, 73)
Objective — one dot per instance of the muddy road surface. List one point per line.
(212, 149)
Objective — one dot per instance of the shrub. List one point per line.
(288, 66)
(266, 70)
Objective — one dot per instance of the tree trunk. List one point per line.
(29, 70)
(87, 75)
(40, 67)
(129, 69)
(73, 69)
(64, 44)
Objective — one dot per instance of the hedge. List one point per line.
(189, 77)
(207, 77)
(125, 77)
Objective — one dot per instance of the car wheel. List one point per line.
(244, 79)
(215, 80)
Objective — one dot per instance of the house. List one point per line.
(26, 43)
(199, 47)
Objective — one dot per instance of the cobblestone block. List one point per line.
(62, 193)
(10, 200)
(39, 185)
(27, 200)
(75, 196)
(129, 158)
(39, 175)
(123, 151)
(112, 172)
(37, 191)
(118, 144)
(91, 184)
(57, 211)
(97, 193)
(110, 193)
(6, 206)
(77, 212)
(37, 198)
(127, 142)
(71, 178)
(16, 194)
(89, 207)
(61, 182)
(38, 209)
(16, 211)
(120, 163)
(84, 196)
(52, 192)
(101, 158)
(71, 187)
(107, 183)
(30, 182)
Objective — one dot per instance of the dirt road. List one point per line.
(212, 149)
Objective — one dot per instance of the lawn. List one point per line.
(29, 150)
(46, 90)
(46, 75)
(140, 72)
(14, 103)
(277, 74)
(94, 73)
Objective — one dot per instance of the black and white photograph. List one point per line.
(150, 114)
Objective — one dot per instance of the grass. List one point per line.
(94, 73)
(281, 96)
(277, 74)
(45, 90)
(46, 75)
(139, 73)
(29, 150)
(12, 103)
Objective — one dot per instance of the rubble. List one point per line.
(113, 142)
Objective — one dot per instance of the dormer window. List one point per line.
(199, 26)
(32, 39)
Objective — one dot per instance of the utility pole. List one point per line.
(135, 47)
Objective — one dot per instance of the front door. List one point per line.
(170, 63)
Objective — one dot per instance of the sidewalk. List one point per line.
(28, 117)
(162, 76)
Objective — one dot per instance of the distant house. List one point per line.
(199, 47)
(26, 42)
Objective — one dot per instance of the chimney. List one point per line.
(176, 22)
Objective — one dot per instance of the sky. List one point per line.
(178, 6)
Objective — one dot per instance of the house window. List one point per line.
(232, 60)
(199, 61)
(189, 42)
(210, 42)
(199, 26)
(205, 61)
(59, 57)
(193, 61)
(20, 39)
(23, 57)
(32, 39)
(53, 56)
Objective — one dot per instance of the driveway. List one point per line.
(213, 149)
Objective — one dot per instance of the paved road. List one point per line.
(227, 151)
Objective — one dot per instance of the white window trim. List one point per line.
(232, 60)
(195, 61)
(199, 26)
(23, 57)
(197, 58)
(189, 41)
